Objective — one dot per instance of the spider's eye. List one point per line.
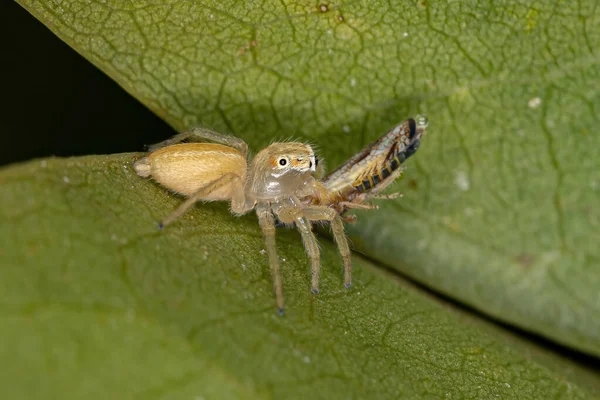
(282, 162)
(316, 162)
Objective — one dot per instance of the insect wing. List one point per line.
(375, 158)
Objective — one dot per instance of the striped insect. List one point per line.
(371, 170)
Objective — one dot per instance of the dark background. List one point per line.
(55, 102)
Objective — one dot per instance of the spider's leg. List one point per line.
(312, 249)
(200, 193)
(337, 226)
(323, 213)
(267, 224)
(199, 134)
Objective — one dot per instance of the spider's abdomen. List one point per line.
(185, 168)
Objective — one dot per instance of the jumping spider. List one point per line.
(278, 182)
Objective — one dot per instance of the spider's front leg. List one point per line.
(302, 217)
(323, 213)
(312, 248)
(267, 224)
(290, 212)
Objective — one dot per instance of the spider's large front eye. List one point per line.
(282, 161)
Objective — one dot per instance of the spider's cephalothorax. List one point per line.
(280, 171)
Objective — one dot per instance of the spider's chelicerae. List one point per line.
(278, 182)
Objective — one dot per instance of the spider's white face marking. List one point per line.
(313, 163)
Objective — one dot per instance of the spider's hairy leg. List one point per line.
(200, 134)
(267, 224)
(312, 249)
(337, 226)
(323, 213)
(200, 193)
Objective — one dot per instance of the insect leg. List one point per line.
(202, 192)
(385, 196)
(267, 224)
(199, 134)
(349, 205)
(387, 181)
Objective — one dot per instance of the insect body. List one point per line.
(273, 183)
(371, 170)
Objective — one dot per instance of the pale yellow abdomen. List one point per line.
(184, 168)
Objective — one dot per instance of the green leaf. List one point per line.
(96, 302)
(500, 210)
